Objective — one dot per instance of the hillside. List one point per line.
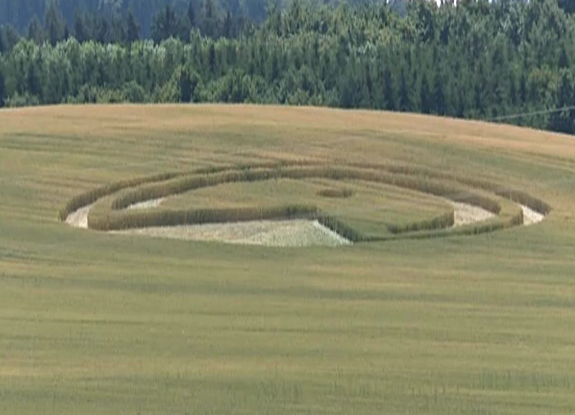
(502, 61)
(97, 323)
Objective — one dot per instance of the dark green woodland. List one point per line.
(474, 59)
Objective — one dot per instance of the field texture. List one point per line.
(100, 323)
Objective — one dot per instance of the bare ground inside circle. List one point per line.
(79, 218)
(467, 214)
(285, 233)
(147, 204)
(530, 217)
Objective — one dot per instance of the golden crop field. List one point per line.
(446, 322)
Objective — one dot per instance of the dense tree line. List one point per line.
(473, 59)
(20, 13)
(123, 26)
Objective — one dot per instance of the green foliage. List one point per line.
(476, 60)
(54, 23)
(2, 88)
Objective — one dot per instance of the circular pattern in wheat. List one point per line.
(475, 206)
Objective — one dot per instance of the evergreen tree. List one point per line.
(2, 41)
(523, 88)
(513, 97)
(563, 58)
(425, 95)
(212, 58)
(35, 31)
(103, 30)
(211, 21)
(185, 85)
(165, 24)
(479, 59)
(439, 96)
(227, 29)
(564, 121)
(8, 38)
(132, 27)
(388, 91)
(34, 77)
(567, 5)
(54, 23)
(192, 14)
(81, 32)
(2, 88)
(404, 101)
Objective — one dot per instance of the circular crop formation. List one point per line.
(302, 204)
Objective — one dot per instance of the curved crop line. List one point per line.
(94, 195)
(497, 189)
(193, 182)
(414, 178)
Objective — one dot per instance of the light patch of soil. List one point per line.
(79, 218)
(466, 214)
(286, 233)
(147, 204)
(282, 233)
(531, 217)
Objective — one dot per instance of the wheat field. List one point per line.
(97, 323)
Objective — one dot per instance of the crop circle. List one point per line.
(134, 206)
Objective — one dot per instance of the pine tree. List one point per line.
(227, 29)
(132, 27)
(165, 24)
(102, 30)
(388, 90)
(2, 88)
(564, 121)
(523, 88)
(185, 85)
(81, 32)
(439, 96)
(563, 58)
(567, 5)
(211, 21)
(192, 14)
(34, 78)
(2, 41)
(35, 31)
(212, 58)
(9, 37)
(54, 23)
(404, 101)
(425, 95)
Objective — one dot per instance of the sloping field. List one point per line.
(93, 322)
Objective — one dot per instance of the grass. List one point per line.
(370, 211)
(109, 214)
(97, 324)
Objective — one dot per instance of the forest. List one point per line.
(470, 59)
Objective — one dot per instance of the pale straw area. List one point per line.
(281, 233)
(466, 214)
(147, 204)
(530, 217)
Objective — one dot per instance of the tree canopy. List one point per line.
(474, 59)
